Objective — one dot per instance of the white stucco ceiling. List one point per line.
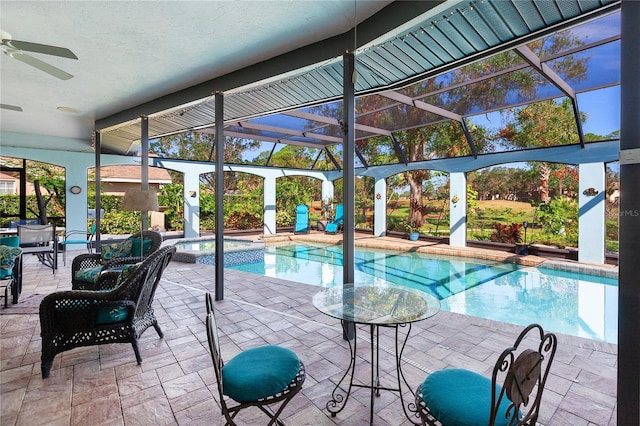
(133, 52)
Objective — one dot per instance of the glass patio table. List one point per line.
(375, 305)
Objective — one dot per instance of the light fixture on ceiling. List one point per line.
(70, 110)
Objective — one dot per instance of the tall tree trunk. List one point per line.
(42, 206)
(545, 173)
(415, 179)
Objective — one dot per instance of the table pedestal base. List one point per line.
(339, 396)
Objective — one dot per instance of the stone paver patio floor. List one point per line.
(176, 384)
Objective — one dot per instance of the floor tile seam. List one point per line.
(385, 348)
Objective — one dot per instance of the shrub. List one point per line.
(283, 218)
(557, 216)
(243, 220)
(511, 234)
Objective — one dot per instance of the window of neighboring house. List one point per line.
(7, 187)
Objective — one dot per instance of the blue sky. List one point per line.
(603, 110)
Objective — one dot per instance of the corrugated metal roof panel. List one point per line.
(428, 48)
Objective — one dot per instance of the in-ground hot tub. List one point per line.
(202, 250)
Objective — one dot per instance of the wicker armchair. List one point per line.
(70, 319)
(94, 260)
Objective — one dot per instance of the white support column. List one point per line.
(591, 213)
(191, 194)
(458, 209)
(327, 189)
(380, 208)
(269, 205)
(76, 204)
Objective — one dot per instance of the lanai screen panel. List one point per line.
(389, 115)
(599, 70)
(378, 150)
(601, 123)
(595, 31)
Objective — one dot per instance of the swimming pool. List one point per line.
(565, 302)
(203, 250)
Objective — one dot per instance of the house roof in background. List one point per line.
(133, 173)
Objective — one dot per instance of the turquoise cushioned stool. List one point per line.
(460, 397)
(259, 372)
(259, 377)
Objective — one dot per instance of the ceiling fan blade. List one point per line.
(42, 66)
(11, 107)
(40, 48)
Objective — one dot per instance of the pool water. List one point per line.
(564, 302)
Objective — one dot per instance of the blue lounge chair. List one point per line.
(302, 219)
(335, 225)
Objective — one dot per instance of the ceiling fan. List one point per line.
(16, 49)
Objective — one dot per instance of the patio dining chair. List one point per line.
(511, 397)
(257, 377)
(40, 240)
(77, 237)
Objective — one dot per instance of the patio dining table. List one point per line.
(375, 305)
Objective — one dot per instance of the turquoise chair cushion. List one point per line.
(116, 250)
(331, 227)
(458, 397)
(10, 241)
(135, 248)
(110, 315)
(89, 275)
(126, 271)
(8, 256)
(259, 372)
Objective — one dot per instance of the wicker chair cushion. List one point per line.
(459, 397)
(259, 372)
(8, 256)
(110, 315)
(126, 271)
(89, 275)
(135, 248)
(116, 250)
(10, 241)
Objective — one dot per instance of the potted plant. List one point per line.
(510, 234)
(413, 229)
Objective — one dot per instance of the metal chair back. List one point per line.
(34, 235)
(40, 240)
(263, 404)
